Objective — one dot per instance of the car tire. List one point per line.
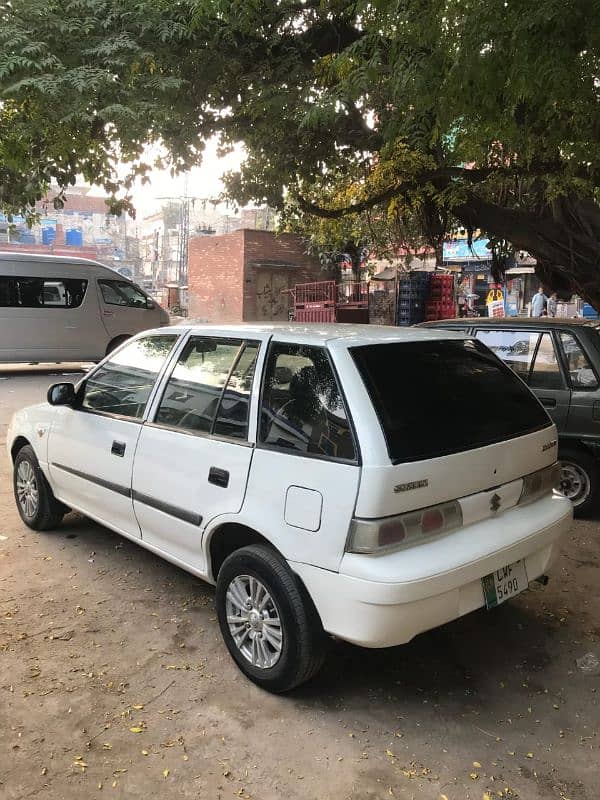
(116, 342)
(278, 642)
(580, 480)
(37, 506)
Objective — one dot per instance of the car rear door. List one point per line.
(91, 447)
(193, 455)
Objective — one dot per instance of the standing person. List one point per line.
(552, 303)
(538, 303)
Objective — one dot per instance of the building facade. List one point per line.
(247, 276)
(83, 227)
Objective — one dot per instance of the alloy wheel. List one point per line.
(27, 489)
(254, 621)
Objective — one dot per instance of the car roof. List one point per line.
(344, 334)
(513, 322)
(42, 260)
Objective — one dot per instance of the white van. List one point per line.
(364, 482)
(56, 308)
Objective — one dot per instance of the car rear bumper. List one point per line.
(384, 612)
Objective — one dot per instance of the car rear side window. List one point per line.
(581, 374)
(302, 406)
(33, 292)
(442, 397)
(122, 385)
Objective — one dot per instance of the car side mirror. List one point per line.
(62, 394)
(150, 304)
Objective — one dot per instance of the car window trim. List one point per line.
(356, 461)
(198, 434)
(138, 420)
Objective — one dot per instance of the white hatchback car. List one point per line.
(364, 482)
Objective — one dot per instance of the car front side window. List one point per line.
(123, 384)
(122, 293)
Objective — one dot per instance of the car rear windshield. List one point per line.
(441, 397)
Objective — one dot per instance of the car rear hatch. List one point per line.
(458, 425)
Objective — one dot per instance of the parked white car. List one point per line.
(363, 482)
(56, 308)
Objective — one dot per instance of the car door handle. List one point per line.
(118, 449)
(549, 402)
(220, 477)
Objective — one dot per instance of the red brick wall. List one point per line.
(222, 277)
(215, 277)
(266, 246)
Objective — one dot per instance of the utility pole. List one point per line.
(186, 201)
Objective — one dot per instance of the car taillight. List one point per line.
(540, 483)
(391, 533)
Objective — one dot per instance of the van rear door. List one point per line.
(455, 419)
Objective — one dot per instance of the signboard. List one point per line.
(496, 308)
(459, 250)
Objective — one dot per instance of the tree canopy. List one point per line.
(417, 113)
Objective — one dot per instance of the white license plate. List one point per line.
(504, 583)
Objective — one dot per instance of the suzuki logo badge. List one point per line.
(495, 501)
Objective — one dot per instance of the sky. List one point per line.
(204, 181)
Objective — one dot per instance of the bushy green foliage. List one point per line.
(417, 113)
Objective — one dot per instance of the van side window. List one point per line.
(580, 370)
(33, 292)
(515, 348)
(546, 372)
(302, 407)
(122, 385)
(122, 293)
(193, 392)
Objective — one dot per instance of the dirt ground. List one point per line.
(114, 682)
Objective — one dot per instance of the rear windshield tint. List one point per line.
(442, 397)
